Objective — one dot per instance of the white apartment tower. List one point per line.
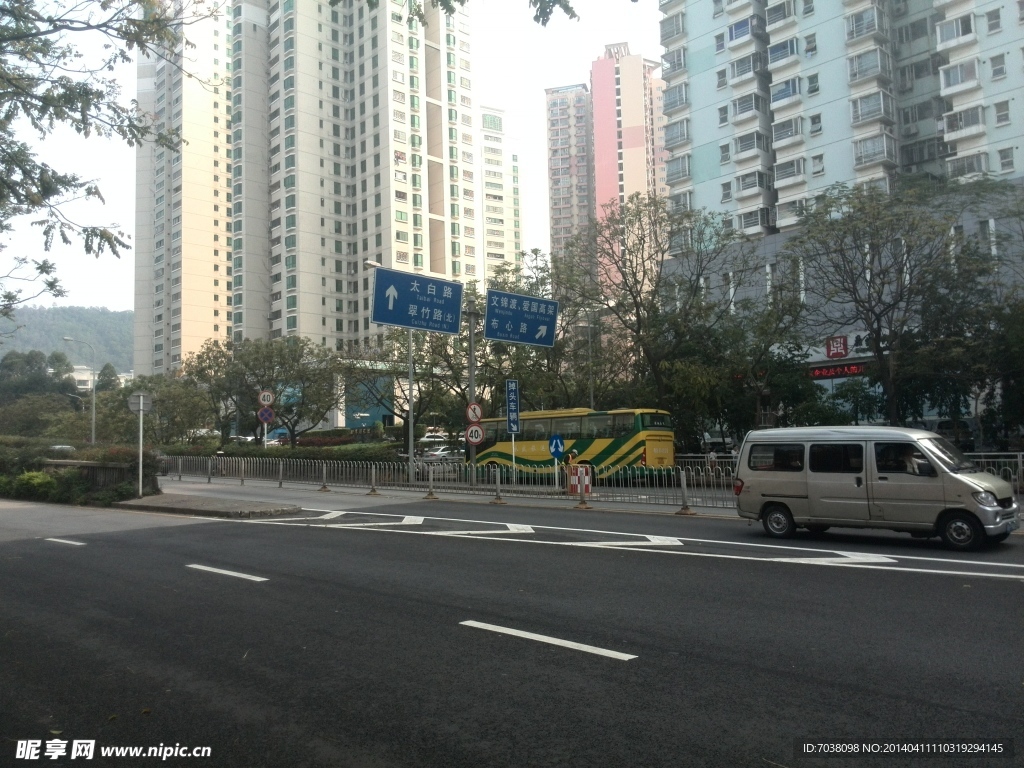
(768, 104)
(183, 201)
(500, 233)
(348, 135)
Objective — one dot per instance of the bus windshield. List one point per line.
(656, 421)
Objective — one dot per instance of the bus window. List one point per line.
(622, 424)
(656, 421)
(597, 426)
(567, 428)
(536, 429)
(490, 430)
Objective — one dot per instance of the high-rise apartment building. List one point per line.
(627, 149)
(335, 135)
(769, 104)
(570, 179)
(499, 230)
(605, 142)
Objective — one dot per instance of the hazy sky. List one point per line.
(514, 60)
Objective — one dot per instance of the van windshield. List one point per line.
(948, 454)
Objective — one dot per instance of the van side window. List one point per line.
(904, 458)
(776, 457)
(837, 457)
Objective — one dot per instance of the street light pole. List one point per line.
(93, 382)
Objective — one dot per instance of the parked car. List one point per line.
(898, 479)
(444, 454)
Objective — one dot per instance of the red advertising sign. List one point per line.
(836, 347)
(838, 371)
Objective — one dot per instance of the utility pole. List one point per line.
(472, 314)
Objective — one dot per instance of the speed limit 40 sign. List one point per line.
(266, 397)
(474, 434)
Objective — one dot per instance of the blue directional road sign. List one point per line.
(512, 405)
(416, 301)
(520, 319)
(556, 446)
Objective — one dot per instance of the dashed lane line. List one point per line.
(222, 572)
(67, 541)
(549, 640)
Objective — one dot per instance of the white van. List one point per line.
(899, 479)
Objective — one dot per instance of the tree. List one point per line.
(107, 379)
(28, 373)
(45, 81)
(35, 415)
(304, 377)
(874, 261)
(543, 10)
(654, 273)
(213, 371)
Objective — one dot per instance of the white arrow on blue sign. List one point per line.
(556, 446)
(518, 319)
(512, 405)
(416, 301)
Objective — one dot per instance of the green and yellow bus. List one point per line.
(606, 440)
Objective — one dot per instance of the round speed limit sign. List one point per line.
(474, 434)
(266, 397)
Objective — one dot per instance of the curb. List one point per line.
(218, 513)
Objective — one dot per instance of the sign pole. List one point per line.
(472, 314)
(142, 414)
(513, 457)
(412, 430)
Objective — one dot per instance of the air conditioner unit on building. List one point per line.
(909, 130)
(899, 9)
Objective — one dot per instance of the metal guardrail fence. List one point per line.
(695, 481)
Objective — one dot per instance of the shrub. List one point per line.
(72, 487)
(37, 486)
(115, 493)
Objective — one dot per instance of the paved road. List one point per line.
(376, 632)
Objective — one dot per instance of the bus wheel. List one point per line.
(777, 521)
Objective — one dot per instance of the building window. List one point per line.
(723, 77)
(724, 153)
(998, 63)
(720, 42)
(815, 124)
(994, 21)
(1006, 159)
(817, 165)
(812, 84)
(1002, 112)
(726, 192)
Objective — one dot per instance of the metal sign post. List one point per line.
(140, 403)
(415, 302)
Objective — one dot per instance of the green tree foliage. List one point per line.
(110, 333)
(304, 377)
(28, 373)
(877, 262)
(37, 415)
(543, 10)
(107, 379)
(47, 81)
(211, 368)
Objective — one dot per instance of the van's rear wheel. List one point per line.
(778, 522)
(962, 531)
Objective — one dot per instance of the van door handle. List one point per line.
(883, 478)
(858, 481)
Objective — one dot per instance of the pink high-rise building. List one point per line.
(604, 143)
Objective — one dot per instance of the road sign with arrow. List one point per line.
(519, 319)
(416, 301)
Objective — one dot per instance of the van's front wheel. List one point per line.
(778, 522)
(962, 531)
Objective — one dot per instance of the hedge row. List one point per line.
(379, 452)
(65, 486)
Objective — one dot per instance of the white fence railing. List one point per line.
(697, 480)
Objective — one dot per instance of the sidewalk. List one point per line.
(226, 498)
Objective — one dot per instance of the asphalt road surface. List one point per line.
(385, 632)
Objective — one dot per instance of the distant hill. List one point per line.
(44, 328)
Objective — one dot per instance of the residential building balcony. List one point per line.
(868, 24)
(872, 64)
(874, 106)
(672, 27)
(874, 150)
(755, 221)
(969, 165)
(790, 173)
(779, 16)
(963, 124)
(750, 184)
(959, 78)
(677, 134)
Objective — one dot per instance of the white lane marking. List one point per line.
(226, 573)
(550, 640)
(512, 528)
(67, 541)
(846, 559)
(664, 540)
(330, 515)
(407, 520)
